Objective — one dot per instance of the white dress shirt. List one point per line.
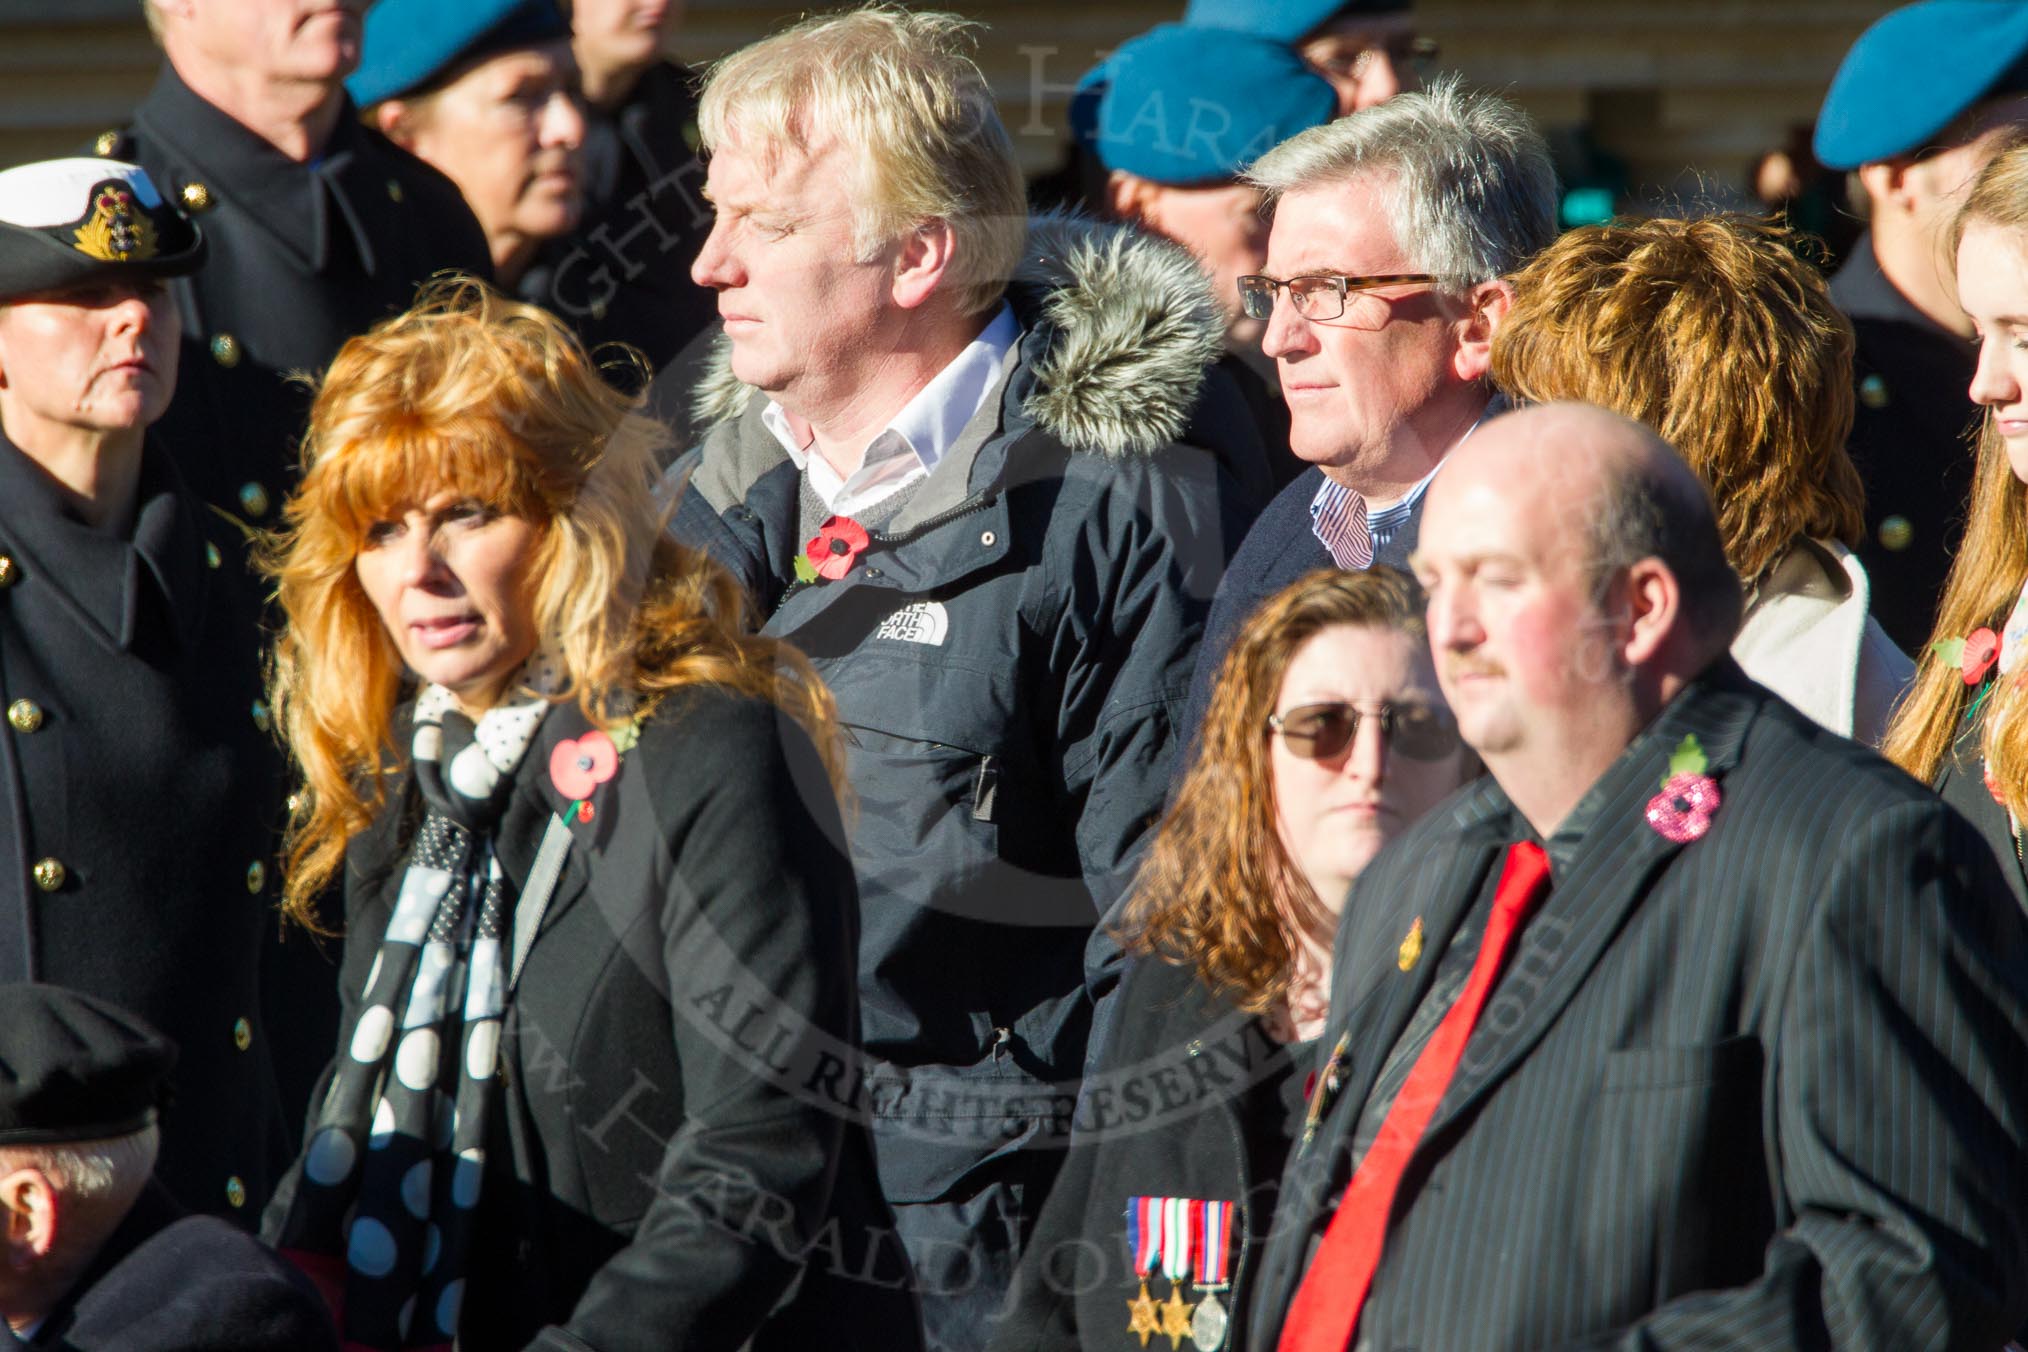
(909, 447)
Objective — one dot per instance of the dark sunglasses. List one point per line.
(1321, 731)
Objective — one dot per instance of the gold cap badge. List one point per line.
(117, 231)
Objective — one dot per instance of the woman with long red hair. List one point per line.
(1326, 736)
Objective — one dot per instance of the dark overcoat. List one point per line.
(624, 274)
(666, 1133)
(169, 1282)
(1183, 1100)
(140, 800)
(1760, 1090)
(1279, 548)
(302, 257)
(1913, 426)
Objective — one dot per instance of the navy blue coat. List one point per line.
(1279, 549)
(1010, 658)
(167, 1282)
(141, 800)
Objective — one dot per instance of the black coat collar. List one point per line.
(306, 207)
(112, 580)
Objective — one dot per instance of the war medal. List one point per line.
(1144, 1225)
(1213, 1224)
(1176, 1237)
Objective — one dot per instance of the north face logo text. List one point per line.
(923, 622)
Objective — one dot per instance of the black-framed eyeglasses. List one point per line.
(1318, 295)
(1421, 732)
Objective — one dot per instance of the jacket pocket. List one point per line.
(1676, 1127)
(1655, 1068)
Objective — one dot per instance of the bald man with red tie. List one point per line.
(1690, 1025)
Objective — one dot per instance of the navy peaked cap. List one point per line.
(78, 221)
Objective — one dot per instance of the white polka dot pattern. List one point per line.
(414, 1086)
(416, 1062)
(370, 1036)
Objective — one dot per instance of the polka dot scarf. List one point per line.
(391, 1176)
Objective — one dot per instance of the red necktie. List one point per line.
(1327, 1304)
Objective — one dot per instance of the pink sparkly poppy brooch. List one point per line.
(1681, 812)
(833, 550)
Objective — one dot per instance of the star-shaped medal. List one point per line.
(1176, 1317)
(1142, 1317)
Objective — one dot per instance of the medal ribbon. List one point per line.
(1175, 1238)
(1214, 1229)
(1144, 1232)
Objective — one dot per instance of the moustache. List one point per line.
(1457, 668)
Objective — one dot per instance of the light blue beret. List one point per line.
(1287, 21)
(1913, 73)
(409, 43)
(1189, 106)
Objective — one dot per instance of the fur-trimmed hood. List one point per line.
(1117, 330)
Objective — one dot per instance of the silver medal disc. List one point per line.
(1207, 1326)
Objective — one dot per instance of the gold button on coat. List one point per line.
(254, 498)
(242, 1034)
(394, 190)
(211, 555)
(49, 874)
(256, 876)
(25, 715)
(10, 573)
(196, 197)
(262, 719)
(225, 349)
(235, 1191)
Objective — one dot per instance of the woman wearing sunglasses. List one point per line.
(1325, 738)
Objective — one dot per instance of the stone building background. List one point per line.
(1679, 95)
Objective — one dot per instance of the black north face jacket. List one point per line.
(1011, 658)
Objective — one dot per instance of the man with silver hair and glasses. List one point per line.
(1392, 231)
(951, 457)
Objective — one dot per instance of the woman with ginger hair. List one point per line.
(1717, 335)
(583, 825)
(1964, 727)
(1325, 737)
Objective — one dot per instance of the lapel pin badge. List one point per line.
(1411, 947)
(1681, 812)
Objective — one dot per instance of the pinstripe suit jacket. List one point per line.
(1766, 1090)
